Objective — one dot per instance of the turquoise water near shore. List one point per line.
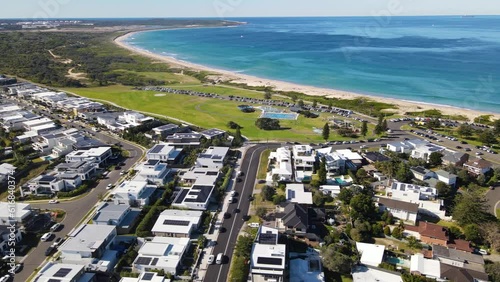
(450, 60)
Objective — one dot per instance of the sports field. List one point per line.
(207, 112)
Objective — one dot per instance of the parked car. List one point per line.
(55, 227)
(49, 251)
(109, 186)
(57, 242)
(227, 215)
(18, 268)
(211, 259)
(54, 202)
(46, 236)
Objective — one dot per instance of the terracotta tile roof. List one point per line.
(460, 244)
(432, 230)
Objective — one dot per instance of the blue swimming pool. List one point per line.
(288, 116)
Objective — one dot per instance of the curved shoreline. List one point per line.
(235, 77)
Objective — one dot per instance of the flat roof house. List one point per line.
(184, 139)
(135, 193)
(281, 160)
(22, 213)
(153, 171)
(199, 175)
(429, 268)
(96, 155)
(268, 259)
(122, 216)
(146, 277)
(213, 133)
(64, 272)
(162, 253)
(295, 193)
(177, 223)
(166, 129)
(88, 244)
(213, 157)
(195, 198)
(164, 153)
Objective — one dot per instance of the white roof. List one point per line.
(43, 126)
(268, 251)
(48, 272)
(181, 221)
(131, 187)
(371, 254)
(87, 237)
(427, 267)
(168, 250)
(295, 193)
(141, 278)
(93, 152)
(349, 154)
(21, 210)
(6, 168)
(365, 274)
(37, 121)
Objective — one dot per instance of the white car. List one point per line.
(46, 236)
(211, 259)
(54, 202)
(109, 186)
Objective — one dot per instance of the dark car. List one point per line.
(238, 179)
(227, 215)
(18, 268)
(463, 142)
(118, 167)
(468, 149)
(222, 229)
(236, 210)
(49, 251)
(246, 218)
(459, 147)
(250, 198)
(122, 164)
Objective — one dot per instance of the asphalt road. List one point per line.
(227, 240)
(76, 210)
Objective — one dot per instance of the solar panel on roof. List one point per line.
(176, 222)
(181, 196)
(156, 149)
(272, 261)
(143, 261)
(155, 261)
(266, 238)
(148, 276)
(54, 280)
(62, 272)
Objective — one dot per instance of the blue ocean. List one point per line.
(452, 60)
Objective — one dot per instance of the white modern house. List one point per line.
(161, 253)
(195, 198)
(213, 157)
(425, 197)
(135, 193)
(371, 254)
(163, 152)
(295, 193)
(201, 176)
(89, 245)
(429, 268)
(134, 118)
(304, 158)
(153, 171)
(268, 259)
(95, 155)
(177, 223)
(281, 161)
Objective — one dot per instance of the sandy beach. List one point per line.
(403, 105)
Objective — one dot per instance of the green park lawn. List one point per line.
(207, 112)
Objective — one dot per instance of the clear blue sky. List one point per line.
(241, 8)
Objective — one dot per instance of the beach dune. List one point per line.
(234, 77)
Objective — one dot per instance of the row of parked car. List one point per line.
(49, 236)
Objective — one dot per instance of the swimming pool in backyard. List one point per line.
(273, 115)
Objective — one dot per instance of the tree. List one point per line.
(364, 128)
(238, 139)
(435, 159)
(267, 193)
(377, 230)
(300, 103)
(322, 173)
(444, 190)
(413, 242)
(261, 212)
(472, 232)
(493, 270)
(268, 95)
(403, 173)
(319, 199)
(470, 208)
(387, 230)
(384, 125)
(315, 103)
(243, 246)
(357, 235)
(233, 125)
(362, 207)
(465, 130)
(496, 127)
(487, 137)
(345, 195)
(267, 124)
(278, 199)
(464, 177)
(490, 231)
(481, 180)
(415, 278)
(397, 232)
(326, 132)
(336, 261)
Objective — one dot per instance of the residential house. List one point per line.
(446, 177)
(281, 162)
(34, 123)
(405, 211)
(430, 268)
(164, 153)
(200, 175)
(8, 236)
(213, 133)
(99, 155)
(134, 118)
(478, 166)
(145, 277)
(153, 171)
(111, 122)
(293, 219)
(355, 160)
(424, 151)
(433, 234)
(195, 198)
(372, 274)
(306, 267)
(135, 193)
(296, 193)
(405, 146)
(64, 272)
(177, 223)
(373, 157)
(332, 190)
(336, 164)
(89, 244)
(122, 216)
(371, 254)
(454, 273)
(213, 157)
(458, 258)
(6, 169)
(421, 173)
(84, 170)
(304, 158)
(46, 142)
(166, 130)
(455, 158)
(268, 259)
(184, 139)
(22, 213)
(161, 253)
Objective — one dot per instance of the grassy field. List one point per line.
(207, 112)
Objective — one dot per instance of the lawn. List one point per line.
(168, 77)
(206, 112)
(498, 213)
(264, 158)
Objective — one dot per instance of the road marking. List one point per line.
(239, 203)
